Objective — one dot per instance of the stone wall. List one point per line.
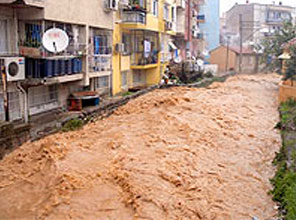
(12, 136)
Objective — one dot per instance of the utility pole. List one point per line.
(241, 42)
(227, 54)
(5, 93)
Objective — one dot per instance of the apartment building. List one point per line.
(46, 79)
(142, 39)
(210, 28)
(255, 17)
(189, 37)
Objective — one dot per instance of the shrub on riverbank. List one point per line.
(284, 181)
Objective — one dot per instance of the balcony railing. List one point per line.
(134, 17)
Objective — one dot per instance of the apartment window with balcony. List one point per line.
(145, 47)
(166, 12)
(155, 7)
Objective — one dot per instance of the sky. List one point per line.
(227, 4)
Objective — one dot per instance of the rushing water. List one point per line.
(172, 154)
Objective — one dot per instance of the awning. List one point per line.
(173, 46)
(33, 3)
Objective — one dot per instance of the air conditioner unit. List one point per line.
(14, 68)
(111, 5)
(168, 25)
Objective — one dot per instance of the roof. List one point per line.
(34, 3)
(266, 5)
(236, 50)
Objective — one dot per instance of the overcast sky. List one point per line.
(227, 4)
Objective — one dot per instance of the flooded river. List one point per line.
(171, 154)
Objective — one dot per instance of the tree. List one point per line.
(290, 73)
(273, 46)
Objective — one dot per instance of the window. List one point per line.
(126, 40)
(100, 50)
(166, 12)
(3, 37)
(155, 7)
(145, 47)
(101, 82)
(139, 78)
(174, 14)
(43, 95)
(124, 75)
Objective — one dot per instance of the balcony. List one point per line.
(52, 70)
(133, 17)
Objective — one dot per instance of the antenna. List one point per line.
(55, 40)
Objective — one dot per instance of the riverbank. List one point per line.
(284, 181)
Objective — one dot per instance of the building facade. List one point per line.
(114, 46)
(255, 18)
(211, 27)
(51, 77)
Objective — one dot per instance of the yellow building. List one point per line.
(142, 30)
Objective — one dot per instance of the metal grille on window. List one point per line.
(3, 37)
(100, 50)
(43, 95)
(102, 82)
(124, 79)
(139, 78)
(14, 106)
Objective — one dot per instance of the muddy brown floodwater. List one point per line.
(178, 153)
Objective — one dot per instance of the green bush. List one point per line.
(290, 201)
(73, 125)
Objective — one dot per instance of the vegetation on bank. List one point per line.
(284, 181)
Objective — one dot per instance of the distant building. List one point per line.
(211, 26)
(231, 62)
(255, 17)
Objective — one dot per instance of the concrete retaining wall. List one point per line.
(12, 136)
(287, 91)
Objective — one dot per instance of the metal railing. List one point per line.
(134, 17)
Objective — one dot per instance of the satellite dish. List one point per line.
(55, 40)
